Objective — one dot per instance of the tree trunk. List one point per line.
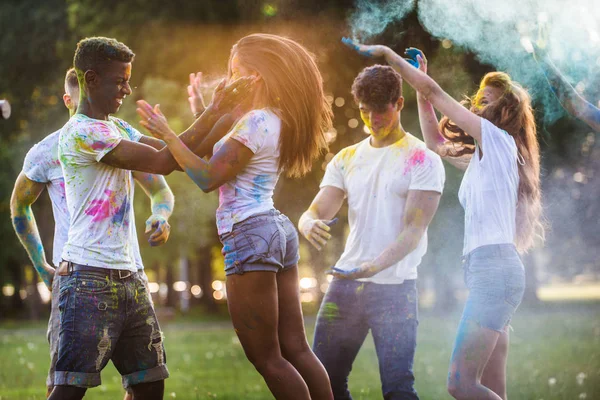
(206, 279)
(34, 300)
(171, 294)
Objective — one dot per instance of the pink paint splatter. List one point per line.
(417, 158)
(104, 208)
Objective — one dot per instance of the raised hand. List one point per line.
(195, 98)
(238, 93)
(366, 50)
(153, 120)
(416, 58)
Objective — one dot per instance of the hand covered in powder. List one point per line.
(154, 120)
(159, 230)
(366, 270)
(316, 231)
(47, 274)
(416, 58)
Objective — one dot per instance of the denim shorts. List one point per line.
(53, 330)
(495, 277)
(102, 319)
(263, 242)
(54, 325)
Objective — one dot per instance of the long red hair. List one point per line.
(293, 88)
(512, 113)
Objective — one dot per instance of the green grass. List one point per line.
(206, 361)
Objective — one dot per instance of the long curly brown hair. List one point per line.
(512, 113)
(293, 88)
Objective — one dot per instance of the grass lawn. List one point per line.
(555, 354)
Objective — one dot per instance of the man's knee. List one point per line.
(61, 392)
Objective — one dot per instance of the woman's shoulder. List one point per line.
(491, 132)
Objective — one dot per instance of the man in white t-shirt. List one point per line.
(393, 184)
(41, 169)
(104, 314)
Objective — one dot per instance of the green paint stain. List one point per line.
(330, 311)
(360, 289)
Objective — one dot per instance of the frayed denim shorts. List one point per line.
(495, 277)
(263, 242)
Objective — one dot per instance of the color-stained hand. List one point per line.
(159, 230)
(416, 58)
(195, 98)
(316, 231)
(366, 270)
(366, 50)
(154, 120)
(47, 274)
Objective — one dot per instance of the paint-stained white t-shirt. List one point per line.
(99, 197)
(42, 165)
(251, 191)
(376, 182)
(489, 189)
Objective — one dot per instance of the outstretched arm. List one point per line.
(314, 224)
(24, 194)
(568, 97)
(149, 156)
(428, 88)
(419, 210)
(162, 202)
(434, 139)
(229, 161)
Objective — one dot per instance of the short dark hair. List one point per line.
(93, 53)
(377, 86)
(71, 79)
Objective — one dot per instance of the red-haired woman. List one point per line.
(284, 133)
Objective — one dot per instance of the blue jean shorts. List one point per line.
(103, 318)
(54, 324)
(263, 242)
(495, 277)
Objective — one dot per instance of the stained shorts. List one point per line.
(495, 277)
(53, 331)
(54, 325)
(103, 319)
(263, 242)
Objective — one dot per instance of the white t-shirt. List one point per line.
(99, 197)
(251, 191)
(42, 165)
(488, 191)
(376, 182)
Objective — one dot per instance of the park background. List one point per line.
(556, 337)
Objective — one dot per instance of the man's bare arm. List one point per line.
(162, 202)
(25, 193)
(313, 222)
